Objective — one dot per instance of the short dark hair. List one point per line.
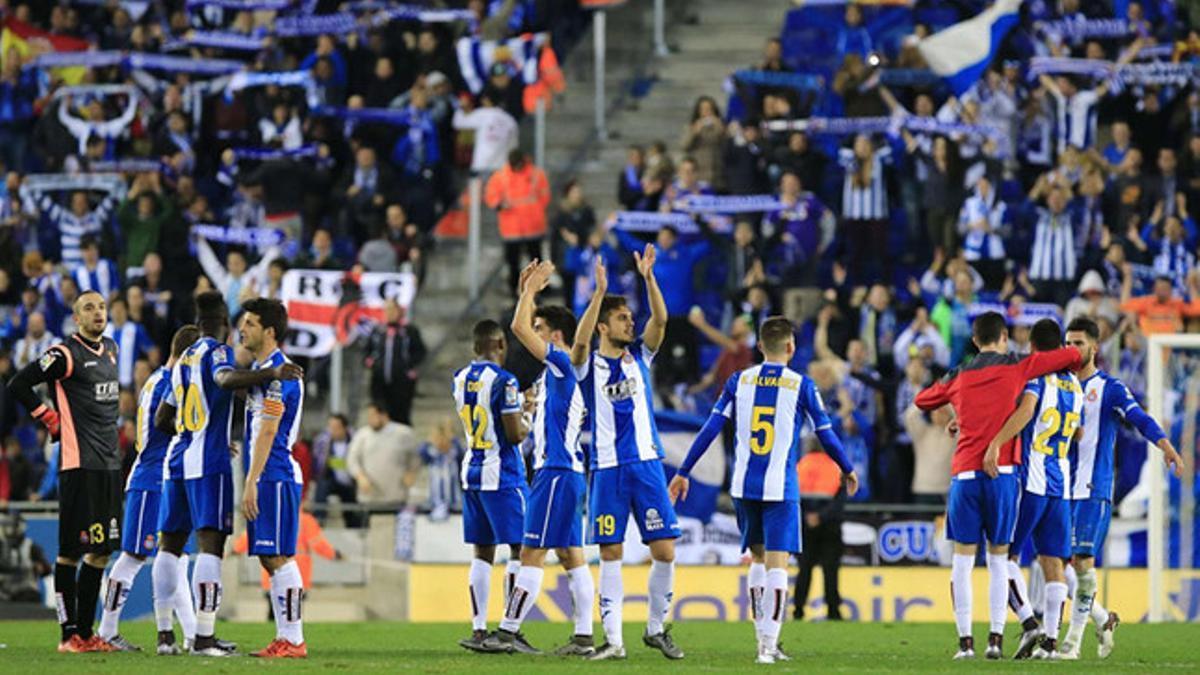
(988, 328)
(271, 314)
(610, 304)
(345, 421)
(484, 332)
(1045, 335)
(558, 318)
(774, 333)
(211, 312)
(89, 241)
(185, 337)
(1087, 326)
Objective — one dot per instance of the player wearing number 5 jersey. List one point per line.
(770, 404)
(985, 503)
(1106, 402)
(554, 518)
(627, 470)
(488, 400)
(198, 487)
(1048, 418)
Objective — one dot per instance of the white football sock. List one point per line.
(961, 592)
(1056, 595)
(775, 607)
(1072, 580)
(1081, 605)
(1099, 614)
(997, 591)
(120, 580)
(511, 570)
(185, 608)
(612, 596)
(275, 597)
(662, 585)
(480, 581)
(583, 590)
(289, 588)
(523, 597)
(165, 577)
(756, 584)
(206, 584)
(1018, 593)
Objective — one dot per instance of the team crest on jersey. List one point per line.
(627, 357)
(1092, 396)
(653, 520)
(148, 542)
(219, 355)
(114, 532)
(512, 397)
(84, 537)
(47, 360)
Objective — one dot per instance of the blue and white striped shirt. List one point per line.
(865, 202)
(483, 394)
(1046, 442)
(558, 416)
(620, 407)
(104, 279)
(73, 228)
(132, 343)
(1076, 119)
(770, 404)
(1053, 257)
(980, 243)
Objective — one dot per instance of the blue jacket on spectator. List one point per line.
(673, 269)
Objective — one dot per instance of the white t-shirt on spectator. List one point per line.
(495, 136)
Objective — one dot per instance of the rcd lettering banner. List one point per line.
(326, 308)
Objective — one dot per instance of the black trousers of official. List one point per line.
(513, 248)
(822, 546)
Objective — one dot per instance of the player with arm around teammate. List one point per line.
(198, 480)
(1048, 418)
(139, 530)
(769, 403)
(554, 518)
(488, 400)
(982, 508)
(627, 471)
(274, 485)
(1106, 401)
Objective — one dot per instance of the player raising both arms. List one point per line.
(198, 489)
(82, 373)
(554, 518)
(627, 470)
(488, 400)
(983, 394)
(1047, 418)
(274, 485)
(769, 403)
(1106, 401)
(143, 493)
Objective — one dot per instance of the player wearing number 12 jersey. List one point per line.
(770, 404)
(198, 486)
(1047, 417)
(1106, 401)
(488, 400)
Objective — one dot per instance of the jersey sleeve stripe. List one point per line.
(68, 440)
(67, 355)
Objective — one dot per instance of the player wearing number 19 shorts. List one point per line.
(627, 469)
(770, 404)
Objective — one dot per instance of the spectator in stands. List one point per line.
(74, 224)
(745, 160)
(94, 124)
(1162, 311)
(951, 316)
(235, 280)
(853, 38)
(442, 456)
(505, 90)
(629, 183)
(378, 254)
(320, 254)
(383, 458)
(521, 193)
(687, 183)
(737, 352)
(1052, 262)
(385, 84)
(331, 449)
(17, 474)
(327, 49)
(495, 133)
(142, 217)
(282, 128)
(367, 186)
(932, 448)
(865, 209)
(18, 90)
(703, 140)
(851, 83)
(394, 352)
(96, 273)
(1189, 170)
(1091, 302)
(981, 223)
(35, 341)
(133, 342)
(1130, 191)
(574, 221)
(921, 340)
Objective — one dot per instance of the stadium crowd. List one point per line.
(1037, 193)
(146, 178)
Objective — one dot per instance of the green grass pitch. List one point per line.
(28, 647)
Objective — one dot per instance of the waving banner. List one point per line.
(326, 308)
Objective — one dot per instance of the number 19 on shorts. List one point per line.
(606, 525)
